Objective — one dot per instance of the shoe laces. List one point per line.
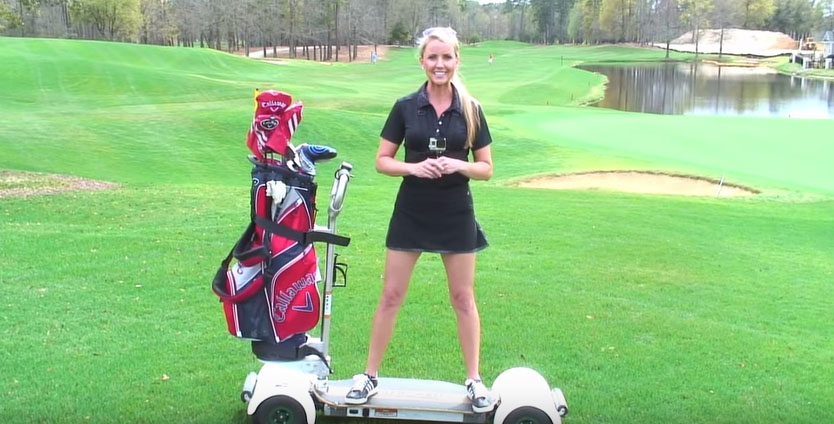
(362, 381)
(476, 389)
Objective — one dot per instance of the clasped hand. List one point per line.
(437, 167)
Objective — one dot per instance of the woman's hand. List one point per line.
(450, 165)
(429, 168)
(480, 169)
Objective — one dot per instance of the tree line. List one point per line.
(322, 29)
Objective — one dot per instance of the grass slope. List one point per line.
(642, 308)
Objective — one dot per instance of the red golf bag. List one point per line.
(270, 293)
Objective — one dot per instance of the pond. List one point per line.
(705, 89)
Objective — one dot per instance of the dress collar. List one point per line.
(423, 98)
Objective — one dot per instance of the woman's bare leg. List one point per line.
(399, 266)
(460, 272)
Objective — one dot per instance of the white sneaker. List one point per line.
(364, 386)
(479, 395)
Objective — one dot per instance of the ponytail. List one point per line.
(471, 111)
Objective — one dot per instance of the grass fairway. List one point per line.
(643, 309)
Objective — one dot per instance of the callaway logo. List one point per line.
(308, 304)
(283, 298)
(273, 105)
(269, 123)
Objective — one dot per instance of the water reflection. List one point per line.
(704, 89)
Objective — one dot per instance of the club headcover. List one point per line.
(272, 102)
(287, 125)
(270, 107)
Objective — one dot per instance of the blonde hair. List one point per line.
(468, 103)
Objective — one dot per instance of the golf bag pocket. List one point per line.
(271, 299)
(294, 296)
(241, 289)
(247, 307)
(244, 281)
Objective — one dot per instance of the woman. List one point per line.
(440, 124)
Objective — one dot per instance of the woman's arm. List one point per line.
(480, 169)
(388, 165)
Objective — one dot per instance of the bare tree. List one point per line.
(695, 13)
(670, 16)
(724, 14)
(158, 24)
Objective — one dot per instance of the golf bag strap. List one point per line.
(268, 351)
(303, 237)
(256, 251)
(306, 349)
(220, 277)
(218, 285)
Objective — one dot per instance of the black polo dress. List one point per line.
(433, 215)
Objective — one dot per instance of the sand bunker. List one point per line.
(639, 182)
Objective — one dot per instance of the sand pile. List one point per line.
(736, 41)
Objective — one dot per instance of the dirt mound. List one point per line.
(363, 54)
(736, 41)
(741, 37)
(27, 184)
(639, 182)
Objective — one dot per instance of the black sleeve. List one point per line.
(484, 138)
(394, 129)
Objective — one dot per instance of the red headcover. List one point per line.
(274, 124)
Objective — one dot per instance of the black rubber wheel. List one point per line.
(280, 410)
(527, 415)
